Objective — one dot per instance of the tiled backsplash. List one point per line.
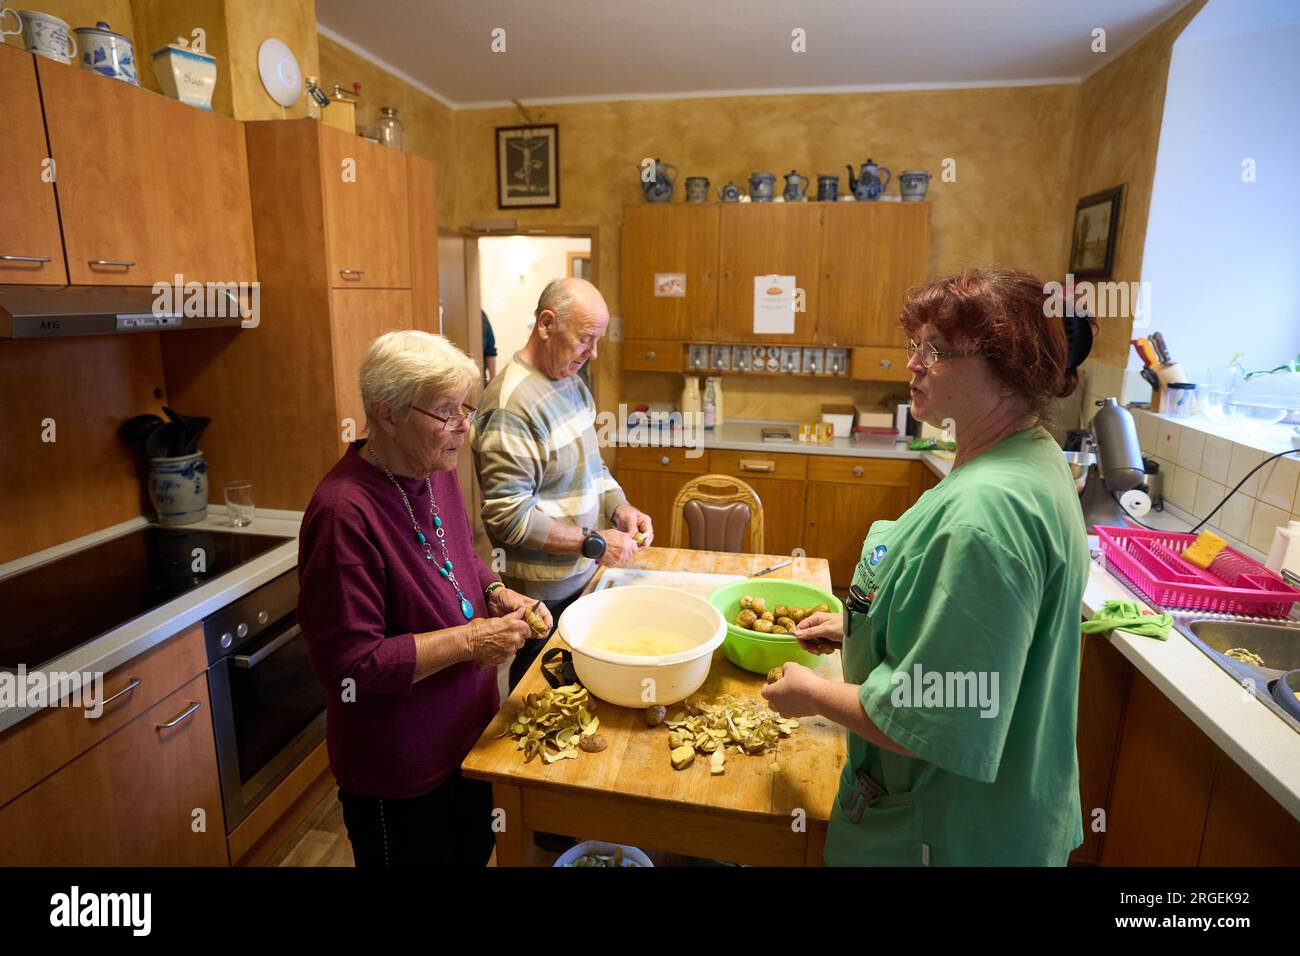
(1200, 468)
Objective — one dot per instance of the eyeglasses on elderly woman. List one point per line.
(449, 422)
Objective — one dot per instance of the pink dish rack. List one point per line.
(1233, 584)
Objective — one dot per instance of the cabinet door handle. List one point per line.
(124, 263)
(135, 682)
(651, 356)
(857, 471)
(352, 272)
(885, 363)
(173, 722)
(753, 464)
(664, 460)
(25, 258)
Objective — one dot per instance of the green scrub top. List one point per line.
(969, 658)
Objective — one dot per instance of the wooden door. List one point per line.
(872, 253)
(357, 318)
(422, 190)
(149, 188)
(761, 239)
(659, 239)
(838, 518)
(31, 248)
(367, 225)
(99, 137)
(130, 800)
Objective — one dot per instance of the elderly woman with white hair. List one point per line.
(405, 624)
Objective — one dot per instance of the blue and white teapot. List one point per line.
(868, 185)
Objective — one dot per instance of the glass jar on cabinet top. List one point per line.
(390, 128)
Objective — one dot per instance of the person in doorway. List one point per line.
(489, 350)
(961, 639)
(548, 499)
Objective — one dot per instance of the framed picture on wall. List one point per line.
(528, 166)
(1096, 228)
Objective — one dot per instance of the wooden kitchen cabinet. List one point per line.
(872, 253)
(357, 318)
(670, 238)
(845, 495)
(767, 239)
(366, 217)
(159, 190)
(130, 800)
(422, 196)
(778, 480)
(643, 355)
(31, 247)
(651, 478)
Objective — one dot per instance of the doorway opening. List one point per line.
(512, 272)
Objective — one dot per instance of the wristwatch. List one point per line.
(593, 545)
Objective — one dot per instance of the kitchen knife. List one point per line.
(1162, 351)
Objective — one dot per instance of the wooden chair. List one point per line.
(715, 509)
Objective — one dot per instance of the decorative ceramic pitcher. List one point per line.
(869, 185)
(762, 186)
(660, 189)
(795, 186)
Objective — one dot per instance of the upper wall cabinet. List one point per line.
(662, 240)
(148, 187)
(366, 218)
(31, 250)
(872, 253)
(767, 239)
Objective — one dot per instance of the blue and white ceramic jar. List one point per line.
(107, 53)
(178, 488)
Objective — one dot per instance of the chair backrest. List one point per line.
(715, 509)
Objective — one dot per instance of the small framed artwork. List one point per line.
(1096, 228)
(528, 166)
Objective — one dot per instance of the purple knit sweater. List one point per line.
(365, 589)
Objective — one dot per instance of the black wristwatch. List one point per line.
(593, 545)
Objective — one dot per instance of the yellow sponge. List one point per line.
(1204, 549)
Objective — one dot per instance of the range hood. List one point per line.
(38, 312)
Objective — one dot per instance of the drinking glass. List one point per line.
(239, 502)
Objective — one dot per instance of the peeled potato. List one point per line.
(768, 616)
(746, 618)
(746, 602)
(778, 629)
(787, 623)
(763, 626)
(822, 607)
(781, 611)
(759, 604)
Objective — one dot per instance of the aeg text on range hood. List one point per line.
(37, 312)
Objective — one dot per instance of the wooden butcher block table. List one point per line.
(630, 793)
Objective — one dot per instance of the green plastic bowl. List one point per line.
(757, 652)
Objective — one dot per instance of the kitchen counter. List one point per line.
(744, 434)
(1267, 749)
(120, 645)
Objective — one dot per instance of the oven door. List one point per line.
(268, 715)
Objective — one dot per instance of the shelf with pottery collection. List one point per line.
(689, 270)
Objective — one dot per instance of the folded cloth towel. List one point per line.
(1131, 617)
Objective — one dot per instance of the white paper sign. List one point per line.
(774, 305)
(670, 284)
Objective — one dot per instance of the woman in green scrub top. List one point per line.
(961, 660)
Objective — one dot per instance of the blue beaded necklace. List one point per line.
(445, 569)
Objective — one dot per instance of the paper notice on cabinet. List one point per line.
(671, 284)
(774, 305)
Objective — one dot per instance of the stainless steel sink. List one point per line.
(1278, 644)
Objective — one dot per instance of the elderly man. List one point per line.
(548, 499)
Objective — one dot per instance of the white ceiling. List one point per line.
(558, 50)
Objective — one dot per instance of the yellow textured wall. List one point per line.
(248, 23)
(1117, 131)
(429, 127)
(1007, 204)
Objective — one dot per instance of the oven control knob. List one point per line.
(262, 617)
(226, 640)
(242, 629)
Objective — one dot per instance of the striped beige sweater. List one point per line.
(538, 462)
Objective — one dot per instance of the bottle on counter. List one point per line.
(691, 404)
(710, 405)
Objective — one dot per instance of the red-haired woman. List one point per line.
(961, 642)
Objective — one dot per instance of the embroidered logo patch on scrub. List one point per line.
(877, 553)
